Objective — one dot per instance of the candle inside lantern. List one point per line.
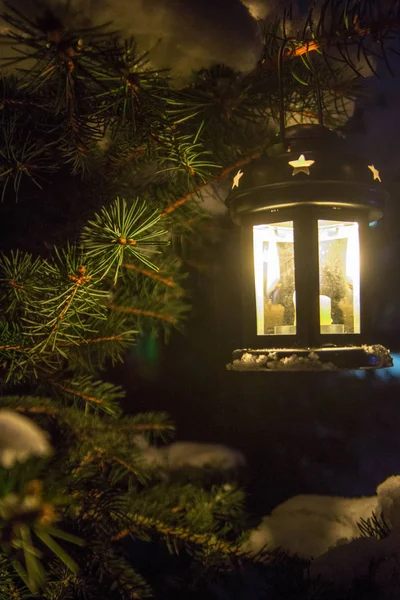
(325, 314)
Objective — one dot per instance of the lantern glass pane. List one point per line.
(274, 278)
(339, 277)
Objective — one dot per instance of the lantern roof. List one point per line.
(313, 166)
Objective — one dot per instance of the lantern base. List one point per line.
(329, 358)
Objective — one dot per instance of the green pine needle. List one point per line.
(120, 232)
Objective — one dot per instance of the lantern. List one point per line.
(304, 208)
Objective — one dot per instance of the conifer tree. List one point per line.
(112, 160)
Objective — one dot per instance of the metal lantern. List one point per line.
(304, 208)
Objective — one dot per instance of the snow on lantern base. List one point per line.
(312, 359)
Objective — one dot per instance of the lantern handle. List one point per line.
(318, 92)
(281, 98)
(280, 86)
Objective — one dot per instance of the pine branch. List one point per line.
(71, 288)
(209, 543)
(143, 312)
(154, 425)
(11, 587)
(168, 281)
(340, 26)
(185, 153)
(114, 577)
(220, 177)
(374, 526)
(100, 454)
(120, 232)
(151, 302)
(94, 393)
(133, 92)
(22, 158)
(114, 433)
(35, 410)
(100, 340)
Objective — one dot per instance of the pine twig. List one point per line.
(21, 348)
(79, 280)
(222, 175)
(110, 338)
(166, 280)
(102, 453)
(347, 37)
(183, 534)
(39, 410)
(98, 453)
(143, 312)
(78, 393)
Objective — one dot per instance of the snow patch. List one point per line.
(310, 525)
(20, 439)
(192, 454)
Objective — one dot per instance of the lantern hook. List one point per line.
(281, 91)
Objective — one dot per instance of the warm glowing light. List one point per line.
(274, 278)
(339, 270)
(325, 310)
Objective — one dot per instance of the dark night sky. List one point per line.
(188, 34)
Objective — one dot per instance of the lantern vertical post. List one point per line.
(306, 277)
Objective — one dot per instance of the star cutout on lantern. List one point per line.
(236, 179)
(301, 165)
(375, 173)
